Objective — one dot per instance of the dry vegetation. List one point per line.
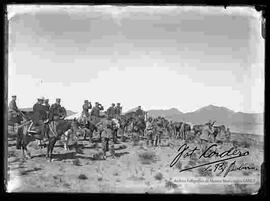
(136, 169)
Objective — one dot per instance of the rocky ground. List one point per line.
(136, 168)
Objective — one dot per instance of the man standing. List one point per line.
(111, 112)
(149, 131)
(107, 141)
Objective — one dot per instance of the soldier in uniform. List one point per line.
(139, 112)
(39, 116)
(149, 131)
(12, 107)
(86, 106)
(46, 103)
(107, 141)
(228, 135)
(95, 112)
(118, 110)
(159, 131)
(14, 116)
(111, 112)
(57, 111)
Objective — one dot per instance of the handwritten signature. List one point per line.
(221, 164)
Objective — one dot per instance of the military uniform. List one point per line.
(56, 111)
(38, 118)
(12, 107)
(95, 113)
(149, 133)
(159, 132)
(118, 110)
(107, 142)
(13, 112)
(111, 112)
(139, 112)
(86, 107)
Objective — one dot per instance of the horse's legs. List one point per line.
(90, 136)
(53, 141)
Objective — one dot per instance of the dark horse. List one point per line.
(54, 133)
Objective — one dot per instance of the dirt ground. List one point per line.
(136, 169)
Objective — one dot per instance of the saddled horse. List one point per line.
(55, 131)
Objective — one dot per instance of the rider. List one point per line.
(111, 111)
(86, 106)
(140, 113)
(57, 111)
(118, 110)
(12, 107)
(46, 103)
(95, 112)
(39, 115)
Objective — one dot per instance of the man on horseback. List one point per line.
(86, 106)
(95, 112)
(118, 110)
(57, 112)
(85, 114)
(39, 117)
(111, 111)
(12, 107)
(140, 112)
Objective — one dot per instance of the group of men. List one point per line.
(42, 112)
(112, 111)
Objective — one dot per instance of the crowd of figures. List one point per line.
(49, 123)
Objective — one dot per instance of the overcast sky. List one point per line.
(156, 57)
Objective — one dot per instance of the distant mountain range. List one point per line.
(210, 112)
(250, 122)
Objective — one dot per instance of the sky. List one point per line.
(159, 57)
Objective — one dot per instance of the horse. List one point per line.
(55, 131)
(206, 135)
(219, 133)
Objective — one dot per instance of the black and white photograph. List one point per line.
(134, 99)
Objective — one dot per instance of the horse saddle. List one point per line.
(35, 129)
